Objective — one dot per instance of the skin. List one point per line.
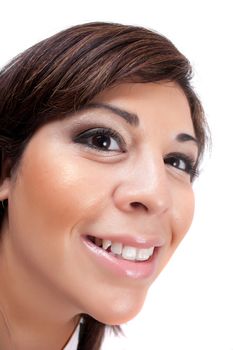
(62, 189)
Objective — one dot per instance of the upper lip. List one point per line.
(137, 240)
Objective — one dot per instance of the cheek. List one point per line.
(62, 188)
(53, 194)
(181, 219)
(183, 211)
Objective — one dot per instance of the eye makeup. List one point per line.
(101, 139)
(184, 163)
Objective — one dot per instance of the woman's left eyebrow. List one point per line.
(183, 137)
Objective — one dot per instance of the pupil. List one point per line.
(175, 162)
(101, 141)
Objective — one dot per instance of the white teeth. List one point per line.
(151, 251)
(116, 248)
(106, 244)
(144, 254)
(129, 253)
(126, 252)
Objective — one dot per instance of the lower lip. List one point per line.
(119, 266)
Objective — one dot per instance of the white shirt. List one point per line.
(73, 342)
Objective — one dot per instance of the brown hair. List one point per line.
(59, 75)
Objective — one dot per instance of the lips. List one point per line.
(136, 240)
(134, 257)
(123, 251)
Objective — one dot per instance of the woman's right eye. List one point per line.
(102, 140)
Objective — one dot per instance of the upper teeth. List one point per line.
(126, 252)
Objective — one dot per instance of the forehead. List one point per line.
(162, 104)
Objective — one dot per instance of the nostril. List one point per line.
(138, 204)
(135, 204)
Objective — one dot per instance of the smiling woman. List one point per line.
(101, 137)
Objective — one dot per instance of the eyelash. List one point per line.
(102, 132)
(190, 163)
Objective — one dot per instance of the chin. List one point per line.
(118, 313)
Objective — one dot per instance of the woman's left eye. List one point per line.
(101, 139)
(182, 162)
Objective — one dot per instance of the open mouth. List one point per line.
(122, 251)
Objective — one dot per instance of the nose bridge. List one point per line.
(146, 184)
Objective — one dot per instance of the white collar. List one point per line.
(73, 342)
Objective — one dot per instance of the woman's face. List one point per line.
(119, 170)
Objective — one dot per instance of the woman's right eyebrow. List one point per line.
(130, 118)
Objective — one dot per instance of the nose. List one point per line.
(144, 187)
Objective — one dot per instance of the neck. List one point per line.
(32, 315)
(33, 337)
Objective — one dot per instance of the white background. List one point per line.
(190, 305)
